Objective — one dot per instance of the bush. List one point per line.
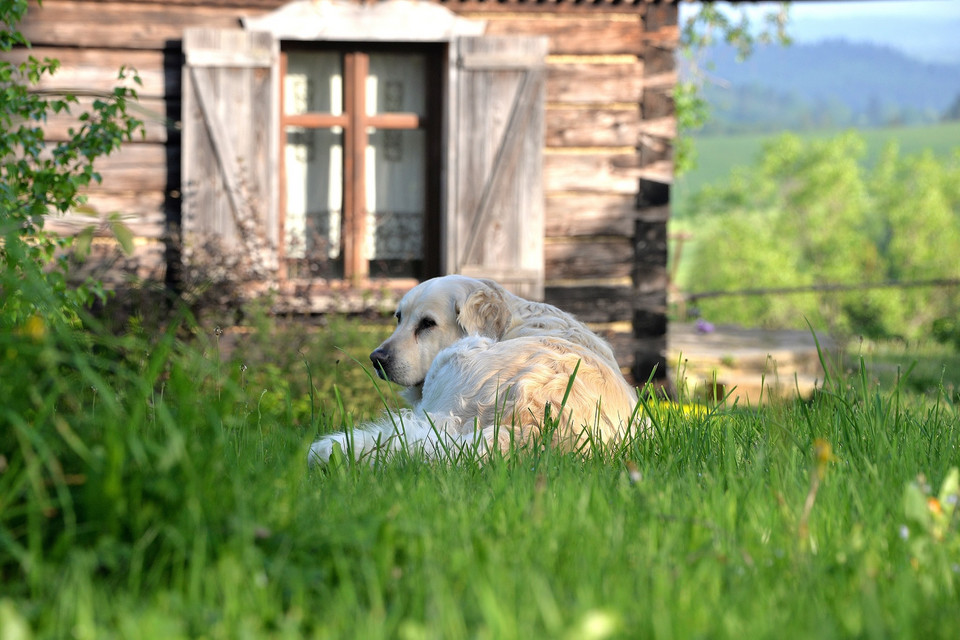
(810, 213)
(39, 177)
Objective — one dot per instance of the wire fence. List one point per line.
(693, 297)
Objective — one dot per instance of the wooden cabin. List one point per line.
(336, 152)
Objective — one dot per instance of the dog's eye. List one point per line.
(398, 317)
(426, 323)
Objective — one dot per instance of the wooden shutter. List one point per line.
(230, 144)
(494, 224)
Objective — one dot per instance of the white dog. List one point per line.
(483, 369)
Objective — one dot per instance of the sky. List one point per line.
(928, 30)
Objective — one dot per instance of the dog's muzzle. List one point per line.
(381, 362)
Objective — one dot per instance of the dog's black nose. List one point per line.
(381, 361)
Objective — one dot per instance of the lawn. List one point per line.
(156, 486)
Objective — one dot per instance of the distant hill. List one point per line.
(828, 84)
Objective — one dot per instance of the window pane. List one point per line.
(314, 83)
(396, 83)
(314, 183)
(396, 200)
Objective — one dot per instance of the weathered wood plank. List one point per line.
(590, 215)
(95, 70)
(587, 83)
(155, 25)
(574, 35)
(483, 8)
(137, 167)
(595, 304)
(654, 162)
(659, 213)
(661, 127)
(264, 5)
(660, 16)
(589, 258)
(599, 172)
(593, 126)
(497, 160)
(625, 348)
(146, 214)
(122, 25)
(650, 314)
(616, 127)
(230, 129)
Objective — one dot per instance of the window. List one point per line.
(359, 154)
(352, 165)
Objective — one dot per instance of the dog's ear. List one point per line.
(484, 313)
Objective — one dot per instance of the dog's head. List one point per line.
(431, 317)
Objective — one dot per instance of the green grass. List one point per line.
(149, 489)
(718, 155)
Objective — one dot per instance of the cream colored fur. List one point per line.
(482, 367)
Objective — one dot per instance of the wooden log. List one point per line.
(122, 25)
(95, 70)
(650, 314)
(138, 167)
(653, 162)
(624, 348)
(584, 83)
(575, 35)
(660, 16)
(588, 258)
(653, 214)
(659, 127)
(593, 304)
(484, 8)
(573, 214)
(599, 172)
(262, 5)
(593, 126)
(145, 214)
(573, 29)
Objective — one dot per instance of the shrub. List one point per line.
(808, 213)
(39, 177)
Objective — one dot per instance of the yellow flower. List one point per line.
(35, 328)
(823, 451)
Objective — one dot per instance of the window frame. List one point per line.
(355, 123)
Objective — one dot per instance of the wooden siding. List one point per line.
(609, 124)
(497, 199)
(607, 159)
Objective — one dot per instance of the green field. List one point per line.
(155, 486)
(717, 155)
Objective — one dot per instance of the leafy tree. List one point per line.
(708, 25)
(808, 213)
(39, 177)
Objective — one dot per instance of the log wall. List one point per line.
(607, 162)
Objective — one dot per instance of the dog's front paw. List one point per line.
(322, 449)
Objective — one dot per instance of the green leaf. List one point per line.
(915, 506)
(950, 492)
(86, 210)
(122, 233)
(82, 242)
